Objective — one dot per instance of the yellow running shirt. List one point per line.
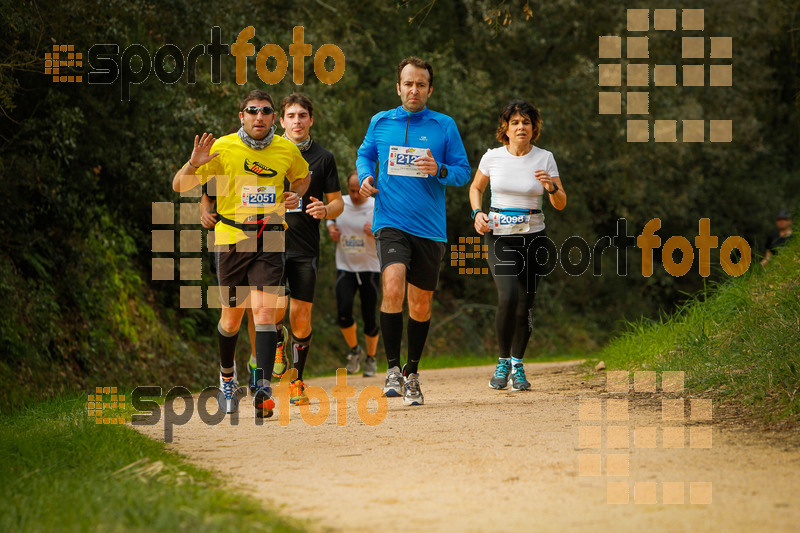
(250, 182)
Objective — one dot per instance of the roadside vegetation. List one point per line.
(739, 340)
(63, 472)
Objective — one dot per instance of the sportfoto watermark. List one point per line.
(647, 241)
(340, 392)
(108, 64)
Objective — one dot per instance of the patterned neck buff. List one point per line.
(256, 144)
(303, 145)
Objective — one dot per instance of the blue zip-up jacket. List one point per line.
(414, 205)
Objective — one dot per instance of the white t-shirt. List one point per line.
(513, 183)
(355, 251)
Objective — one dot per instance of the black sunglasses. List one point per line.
(253, 110)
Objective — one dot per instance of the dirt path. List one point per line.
(474, 459)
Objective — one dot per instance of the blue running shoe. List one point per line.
(500, 378)
(518, 380)
(229, 392)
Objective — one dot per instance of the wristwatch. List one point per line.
(442, 172)
(475, 213)
(555, 189)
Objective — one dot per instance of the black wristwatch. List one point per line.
(475, 213)
(442, 172)
(555, 190)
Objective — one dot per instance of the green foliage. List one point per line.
(81, 167)
(62, 472)
(741, 339)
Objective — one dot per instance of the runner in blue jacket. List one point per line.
(418, 152)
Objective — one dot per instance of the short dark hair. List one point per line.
(255, 94)
(526, 110)
(417, 62)
(350, 176)
(299, 99)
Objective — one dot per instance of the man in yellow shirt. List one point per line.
(249, 168)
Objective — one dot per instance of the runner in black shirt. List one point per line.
(302, 236)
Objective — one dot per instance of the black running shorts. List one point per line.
(422, 257)
(301, 274)
(247, 265)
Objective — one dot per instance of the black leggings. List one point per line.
(366, 283)
(513, 263)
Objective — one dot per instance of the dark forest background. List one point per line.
(80, 167)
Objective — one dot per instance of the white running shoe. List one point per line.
(412, 395)
(393, 388)
(354, 361)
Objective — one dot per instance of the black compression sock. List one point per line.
(227, 348)
(392, 326)
(266, 340)
(417, 335)
(300, 353)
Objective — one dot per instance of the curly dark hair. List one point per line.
(526, 110)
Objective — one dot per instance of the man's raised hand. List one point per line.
(202, 147)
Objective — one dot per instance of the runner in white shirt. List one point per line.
(358, 269)
(520, 174)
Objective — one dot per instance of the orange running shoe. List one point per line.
(263, 402)
(297, 393)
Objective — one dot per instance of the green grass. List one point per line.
(740, 339)
(454, 360)
(62, 472)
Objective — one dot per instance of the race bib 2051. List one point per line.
(258, 196)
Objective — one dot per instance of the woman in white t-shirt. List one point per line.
(358, 269)
(520, 175)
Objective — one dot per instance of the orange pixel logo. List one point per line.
(609, 418)
(63, 55)
(96, 404)
(459, 254)
(705, 62)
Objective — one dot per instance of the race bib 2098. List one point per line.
(505, 224)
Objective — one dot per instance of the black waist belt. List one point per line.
(260, 223)
(515, 210)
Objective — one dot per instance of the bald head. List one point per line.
(353, 188)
